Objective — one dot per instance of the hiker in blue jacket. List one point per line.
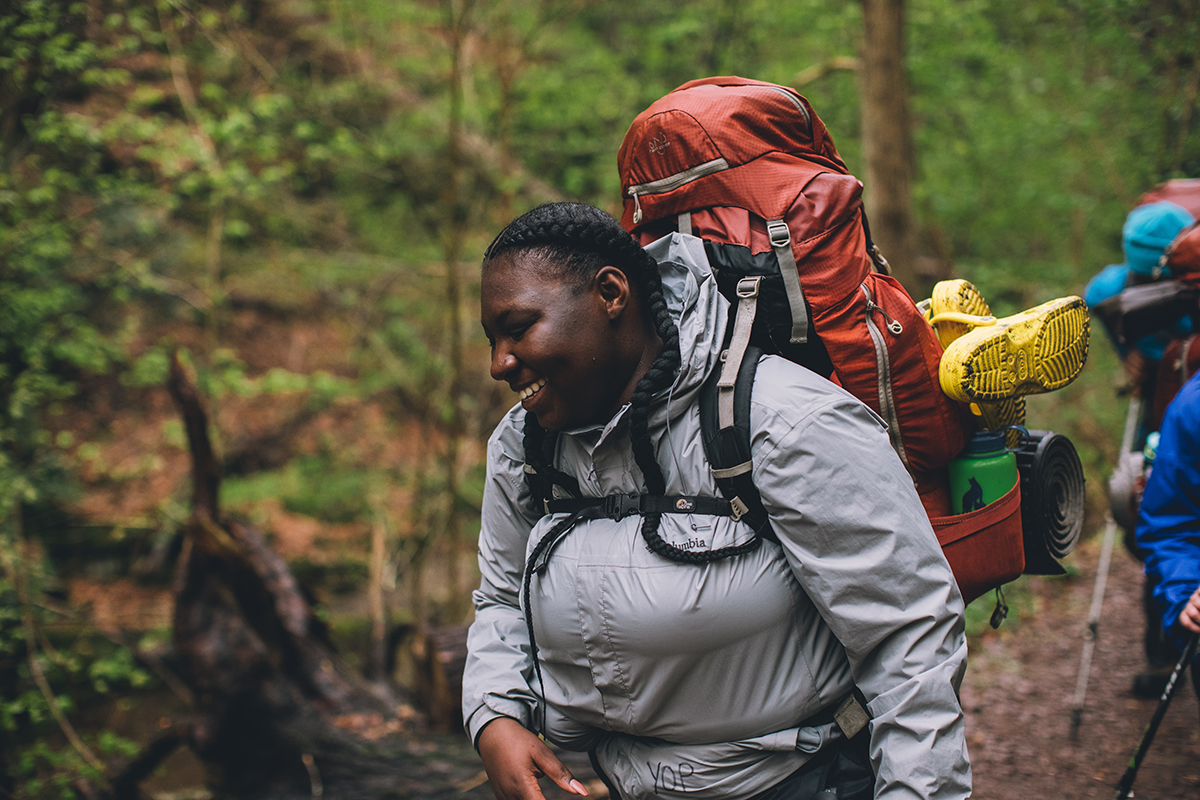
(1147, 232)
(1169, 520)
(690, 658)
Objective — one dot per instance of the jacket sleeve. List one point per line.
(859, 542)
(1169, 515)
(499, 670)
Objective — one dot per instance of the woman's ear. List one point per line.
(612, 285)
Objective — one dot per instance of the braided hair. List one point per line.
(573, 241)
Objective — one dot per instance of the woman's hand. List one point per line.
(1189, 618)
(515, 758)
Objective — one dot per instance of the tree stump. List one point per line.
(276, 714)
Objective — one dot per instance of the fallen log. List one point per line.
(269, 688)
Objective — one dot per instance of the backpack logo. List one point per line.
(658, 144)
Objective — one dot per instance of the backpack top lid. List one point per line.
(1181, 191)
(750, 136)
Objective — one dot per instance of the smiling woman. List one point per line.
(569, 333)
(627, 609)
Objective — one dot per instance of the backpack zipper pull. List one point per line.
(895, 327)
(637, 208)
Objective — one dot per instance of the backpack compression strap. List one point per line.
(725, 431)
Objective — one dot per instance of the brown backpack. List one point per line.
(1180, 361)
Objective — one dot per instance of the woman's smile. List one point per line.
(530, 391)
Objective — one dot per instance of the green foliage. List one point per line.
(1038, 126)
(82, 668)
(166, 166)
(315, 486)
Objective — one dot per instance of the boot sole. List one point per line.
(995, 416)
(1036, 351)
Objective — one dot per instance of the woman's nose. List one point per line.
(503, 362)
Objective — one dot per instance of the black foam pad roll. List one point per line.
(1051, 500)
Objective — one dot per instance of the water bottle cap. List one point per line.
(1151, 448)
(986, 442)
(992, 441)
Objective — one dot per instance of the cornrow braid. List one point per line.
(539, 455)
(660, 375)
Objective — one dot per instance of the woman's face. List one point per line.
(569, 349)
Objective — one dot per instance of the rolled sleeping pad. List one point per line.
(1051, 500)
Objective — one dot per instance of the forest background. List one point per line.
(295, 197)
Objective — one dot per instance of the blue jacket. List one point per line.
(1169, 518)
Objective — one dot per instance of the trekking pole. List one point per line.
(1106, 548)
(1126, 784)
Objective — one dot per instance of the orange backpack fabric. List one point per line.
(749, 167)
(1182, 256)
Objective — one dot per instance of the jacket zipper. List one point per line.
(887, 401)
(672, 182)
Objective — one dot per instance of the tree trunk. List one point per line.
(887, 145)
(276, 713)
(459, 20)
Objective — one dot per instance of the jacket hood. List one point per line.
(699, 310)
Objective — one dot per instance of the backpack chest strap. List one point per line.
(619, 506)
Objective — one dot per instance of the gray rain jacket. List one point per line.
(692, 681)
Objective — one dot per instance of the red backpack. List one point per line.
(1182, 256)
(748, 167)
(1180, 361)
(1180, 191)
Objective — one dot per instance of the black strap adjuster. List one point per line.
(619, 506)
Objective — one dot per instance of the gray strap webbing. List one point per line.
(743, 321)
(781, 243)
(685, 222)
(733, 472)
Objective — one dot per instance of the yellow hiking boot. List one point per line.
(1035, 351)
(951, 300)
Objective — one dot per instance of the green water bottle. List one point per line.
(983, 473)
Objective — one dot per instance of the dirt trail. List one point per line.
(1021, 683)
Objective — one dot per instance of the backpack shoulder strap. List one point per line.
(728, 448)
(541, 485)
